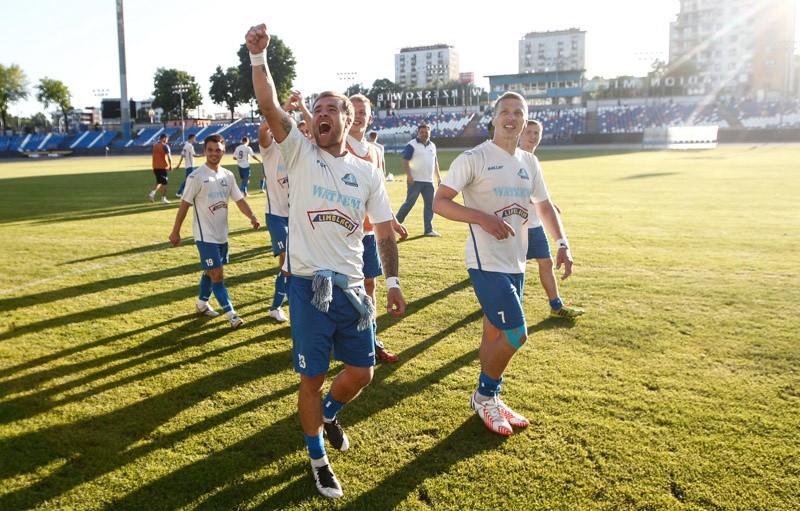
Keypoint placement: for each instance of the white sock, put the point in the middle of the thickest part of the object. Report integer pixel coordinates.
(320, 462)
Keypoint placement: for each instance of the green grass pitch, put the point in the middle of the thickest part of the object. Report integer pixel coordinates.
(679, 389)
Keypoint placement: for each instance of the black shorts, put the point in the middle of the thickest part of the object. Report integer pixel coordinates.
(162, 176)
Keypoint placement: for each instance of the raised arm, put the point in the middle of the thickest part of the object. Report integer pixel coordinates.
(257, 40)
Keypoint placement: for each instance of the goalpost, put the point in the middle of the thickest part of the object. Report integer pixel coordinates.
(680, 137)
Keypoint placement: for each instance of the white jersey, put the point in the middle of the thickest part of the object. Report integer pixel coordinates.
(242, 155)
(495, 182)
(382, 153)
(209, 193)
(365, 150)
(329, 199)
(422, 163)
(188, 154)
(277, 181)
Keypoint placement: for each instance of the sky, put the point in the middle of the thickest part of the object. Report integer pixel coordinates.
(76, 42)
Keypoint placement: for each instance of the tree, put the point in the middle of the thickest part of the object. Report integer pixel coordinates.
(39, 120)
(226, 88)
(13, 87)
(55, 92)
(281, 62)
(382, 86)
(165, 97)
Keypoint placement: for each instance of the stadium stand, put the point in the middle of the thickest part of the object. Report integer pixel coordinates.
(444, 125)
(634, 119)
(768, 114)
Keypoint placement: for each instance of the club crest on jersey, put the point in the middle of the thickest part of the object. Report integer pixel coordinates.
(335, 216)
(523, 174)
(511, 210)
(284, 182)
(350, 180)
(217, 206)
(223, 182)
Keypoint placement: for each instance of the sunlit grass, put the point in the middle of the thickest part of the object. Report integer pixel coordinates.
(679, 389)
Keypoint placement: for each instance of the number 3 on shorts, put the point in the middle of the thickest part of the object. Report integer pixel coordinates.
(301, 361)
(502, 315)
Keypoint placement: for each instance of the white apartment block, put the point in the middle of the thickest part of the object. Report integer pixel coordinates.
(423, 66)
(558, 50)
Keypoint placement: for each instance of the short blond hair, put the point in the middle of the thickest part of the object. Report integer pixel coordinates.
(511, 95)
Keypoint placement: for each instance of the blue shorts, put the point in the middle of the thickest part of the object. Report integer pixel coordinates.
(278, 227)
(315, 333)
(538, 246)
(500, 296)
(212, 255)
(189, 170)
(244, 172)
(372, 263)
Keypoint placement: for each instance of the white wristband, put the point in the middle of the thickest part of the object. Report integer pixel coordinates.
(562, 243)
(392, 282)
(258, 59)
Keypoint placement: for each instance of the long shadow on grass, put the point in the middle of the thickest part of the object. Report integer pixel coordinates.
(167, 344)
(10, 304)
(648, 175)
(271, 445)
(128, 306)
(159, 246)
(91, 448)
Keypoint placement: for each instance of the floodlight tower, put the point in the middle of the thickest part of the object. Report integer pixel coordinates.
(124, 104)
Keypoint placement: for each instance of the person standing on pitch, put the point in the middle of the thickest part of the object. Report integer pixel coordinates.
(358, 146)
(373, 139)
(499, 181)
(331, 192)
(538, 246)
(242, 155)
(162, 166)
(276, 183)
(421, 165)
(208, 189)
(188, 153)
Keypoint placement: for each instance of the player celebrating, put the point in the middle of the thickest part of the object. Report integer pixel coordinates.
(208, 189)
(242, 155)
(499, 181)
(358, 146)
(276, 183)
(330, 194)
(538, 247)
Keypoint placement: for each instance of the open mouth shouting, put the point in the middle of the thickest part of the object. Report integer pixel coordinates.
(324, 128)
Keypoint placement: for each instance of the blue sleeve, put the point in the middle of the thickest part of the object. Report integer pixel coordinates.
(408, 152)
(166, 149)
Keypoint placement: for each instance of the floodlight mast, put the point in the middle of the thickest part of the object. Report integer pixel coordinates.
(124, 104)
